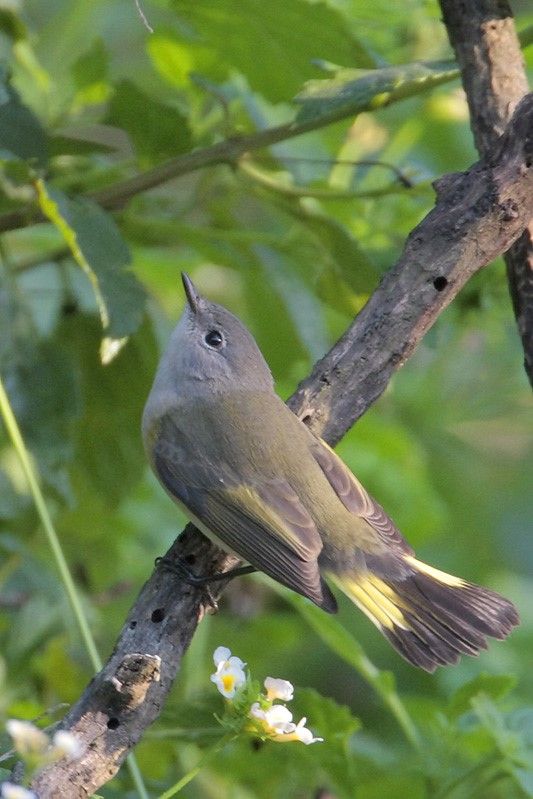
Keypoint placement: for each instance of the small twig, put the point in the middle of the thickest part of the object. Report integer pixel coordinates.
(269, 182)
(294, 159)
(143, 17)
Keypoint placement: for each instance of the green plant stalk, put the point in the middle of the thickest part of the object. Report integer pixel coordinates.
(16, 438)
(15, 435)
(187, 778)
(359, 660)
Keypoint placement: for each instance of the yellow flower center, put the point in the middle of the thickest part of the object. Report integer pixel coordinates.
(228, 681)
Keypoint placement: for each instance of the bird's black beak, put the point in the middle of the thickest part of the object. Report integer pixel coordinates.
(193, 298)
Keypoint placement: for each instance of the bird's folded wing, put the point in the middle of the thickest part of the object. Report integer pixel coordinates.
(264, 521)
(356, 499)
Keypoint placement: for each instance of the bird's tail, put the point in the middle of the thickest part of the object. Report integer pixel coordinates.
(430, 617)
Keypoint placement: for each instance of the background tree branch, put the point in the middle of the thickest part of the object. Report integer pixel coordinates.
(231, 149)
(487, 49)
(477, 216)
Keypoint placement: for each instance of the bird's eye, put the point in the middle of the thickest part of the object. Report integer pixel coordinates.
(214, 339)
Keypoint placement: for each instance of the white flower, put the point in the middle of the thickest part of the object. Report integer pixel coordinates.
(303, 734)
(230, 674)
(65, 744)
(278, 689)
(276, 720)
(8, 790)
(27, 738)
(277, 723)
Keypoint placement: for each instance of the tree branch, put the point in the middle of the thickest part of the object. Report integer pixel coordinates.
(477, 216)
(233, 148)
(487, 48)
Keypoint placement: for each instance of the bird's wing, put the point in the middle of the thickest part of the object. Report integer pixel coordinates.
(356, 499)
(263, 522)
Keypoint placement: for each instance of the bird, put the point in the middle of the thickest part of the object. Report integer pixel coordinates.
(256, 480)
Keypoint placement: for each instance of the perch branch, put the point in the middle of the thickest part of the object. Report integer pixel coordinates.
(487, 48)
(478, 214)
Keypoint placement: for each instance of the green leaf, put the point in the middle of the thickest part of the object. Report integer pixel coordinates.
(66, 144)
(522, 721)
(21, 133)
(190, 720)
(354, 91)
(109, 457)
(91, 66)
(176, 58)
(494, 685)
(38, 618)
(97, 246)
(42, 391)
(336, 724)
(301, 304)
(13, 504)
(273, 44)
(156, 130)
(350, 263)
(524, 777)
(12, 25)
(347, 275)
(507, 741)
(327, 719)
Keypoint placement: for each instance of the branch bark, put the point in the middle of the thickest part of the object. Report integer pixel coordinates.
(487, 48)
(478, 214)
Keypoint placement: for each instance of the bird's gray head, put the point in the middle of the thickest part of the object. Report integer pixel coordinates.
(211, 350)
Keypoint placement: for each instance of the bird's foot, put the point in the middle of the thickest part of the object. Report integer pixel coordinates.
(179, 567)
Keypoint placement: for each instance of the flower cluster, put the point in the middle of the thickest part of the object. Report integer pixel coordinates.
(262, 717)
(37, 750)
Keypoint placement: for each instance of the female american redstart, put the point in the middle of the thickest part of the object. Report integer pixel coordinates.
(254, 478)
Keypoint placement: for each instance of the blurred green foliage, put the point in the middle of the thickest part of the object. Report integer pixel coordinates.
(88, 99)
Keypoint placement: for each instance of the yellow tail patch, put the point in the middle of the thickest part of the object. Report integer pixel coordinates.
(442, 577)
(375, 598)
(431, 618)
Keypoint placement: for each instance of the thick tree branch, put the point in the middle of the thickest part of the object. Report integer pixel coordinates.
(487, 48)
(477, 216)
